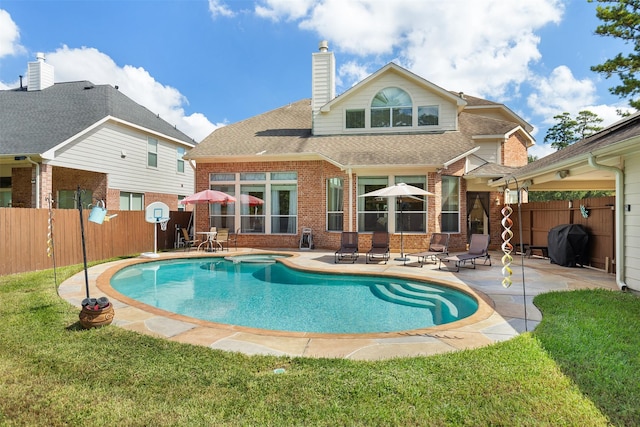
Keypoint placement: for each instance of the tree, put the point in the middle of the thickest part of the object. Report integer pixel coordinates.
(563, 133)
(621, 20)
(587, 124)
(569, 130)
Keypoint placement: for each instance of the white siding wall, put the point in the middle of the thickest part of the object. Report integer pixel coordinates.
(632, 221)
(489, 151)
(100, 151)
(322, 79)
(332, 123)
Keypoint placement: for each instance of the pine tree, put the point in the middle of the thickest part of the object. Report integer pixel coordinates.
(569, 130)
(621, 19)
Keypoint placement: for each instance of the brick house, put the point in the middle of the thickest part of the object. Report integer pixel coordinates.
(55, 137)
(312, 159)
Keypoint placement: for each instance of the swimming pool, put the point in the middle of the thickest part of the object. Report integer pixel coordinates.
(273, 296)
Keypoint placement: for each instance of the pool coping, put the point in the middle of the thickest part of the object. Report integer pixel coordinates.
(484, 311)
(499, 318)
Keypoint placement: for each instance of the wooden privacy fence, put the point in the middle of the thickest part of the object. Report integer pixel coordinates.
(24, 235)
(540, 217)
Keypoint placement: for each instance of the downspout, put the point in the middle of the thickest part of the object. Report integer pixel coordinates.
(350, 199)
(620, 256)
(37, 180)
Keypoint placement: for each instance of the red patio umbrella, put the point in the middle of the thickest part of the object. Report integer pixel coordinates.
(248, 199)
(208, 196)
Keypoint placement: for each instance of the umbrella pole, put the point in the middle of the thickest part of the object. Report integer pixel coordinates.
(402, 257)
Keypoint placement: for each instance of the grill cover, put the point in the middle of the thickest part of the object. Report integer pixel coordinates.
(568, 245)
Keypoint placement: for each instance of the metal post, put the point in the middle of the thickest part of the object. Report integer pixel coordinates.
(84, 249)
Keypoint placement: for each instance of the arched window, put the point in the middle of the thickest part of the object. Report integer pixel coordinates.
(391, 107)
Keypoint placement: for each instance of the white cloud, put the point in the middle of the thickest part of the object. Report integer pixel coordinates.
(9, 41)
(541, 150)
(351, 71)
(560, 92)
(9, 36)
(484, 48)
(219, 8)
(290, 10)
(135, 82)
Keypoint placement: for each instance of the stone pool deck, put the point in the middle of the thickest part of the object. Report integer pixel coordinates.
(501, 315)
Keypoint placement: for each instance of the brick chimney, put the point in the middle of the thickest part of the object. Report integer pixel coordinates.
(323, 77)
(40, 74)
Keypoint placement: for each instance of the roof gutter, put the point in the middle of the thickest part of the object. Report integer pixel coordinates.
(37, 180)
(619, 207)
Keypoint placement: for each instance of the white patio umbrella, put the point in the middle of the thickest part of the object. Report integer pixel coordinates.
(400, 191)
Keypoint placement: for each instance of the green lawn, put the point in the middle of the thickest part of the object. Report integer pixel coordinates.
(580, 367)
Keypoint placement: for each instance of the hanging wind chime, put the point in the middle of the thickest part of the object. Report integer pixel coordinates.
(507, 247)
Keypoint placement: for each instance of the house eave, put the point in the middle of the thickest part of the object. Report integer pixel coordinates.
(50, 153)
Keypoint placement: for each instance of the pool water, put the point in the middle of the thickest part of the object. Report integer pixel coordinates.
(275, 297)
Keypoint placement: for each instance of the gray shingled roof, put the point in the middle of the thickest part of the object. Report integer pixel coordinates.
(33, 122)
(491, 170)
(287, 131)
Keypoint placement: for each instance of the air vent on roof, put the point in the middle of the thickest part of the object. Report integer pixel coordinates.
(89, 87)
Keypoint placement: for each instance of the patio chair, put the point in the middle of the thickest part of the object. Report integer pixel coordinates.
(187, 241)
(478, 248)
(233, 239)
(438, 247)
(222, 238)
(379, 247)
(348, 247)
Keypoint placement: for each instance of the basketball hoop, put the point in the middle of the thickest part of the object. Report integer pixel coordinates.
(156, 213)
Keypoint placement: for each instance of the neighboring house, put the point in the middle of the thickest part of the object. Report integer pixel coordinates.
(311, 160)
(56, 137)
(607, 160)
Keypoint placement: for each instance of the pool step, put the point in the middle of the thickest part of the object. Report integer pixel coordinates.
(384, 292)
(413, 294)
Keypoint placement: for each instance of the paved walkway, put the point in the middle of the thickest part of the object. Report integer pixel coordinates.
(501, 315)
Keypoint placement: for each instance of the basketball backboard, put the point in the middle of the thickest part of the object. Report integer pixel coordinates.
(156, 212)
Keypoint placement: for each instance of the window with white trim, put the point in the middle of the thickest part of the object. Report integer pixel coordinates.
(391, 107)
(68, 199)
(131, 201)
(428, 115)
(267, 202)
(450, 221)
(152, 152)
(373, 212)
(180, 152)
(411, 212)
(354, 119)
(335, 201)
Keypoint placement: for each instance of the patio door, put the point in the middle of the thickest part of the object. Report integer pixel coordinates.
(477, 213)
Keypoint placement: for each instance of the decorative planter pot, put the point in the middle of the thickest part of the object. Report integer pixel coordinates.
(94, 318)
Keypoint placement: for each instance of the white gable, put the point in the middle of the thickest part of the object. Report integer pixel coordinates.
(331, 120)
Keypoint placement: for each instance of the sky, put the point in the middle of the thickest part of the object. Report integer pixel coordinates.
(204, 64)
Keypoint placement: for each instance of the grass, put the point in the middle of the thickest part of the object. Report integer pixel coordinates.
(578, 368)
